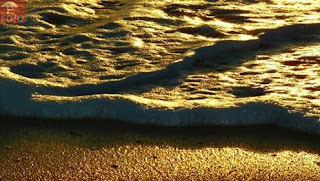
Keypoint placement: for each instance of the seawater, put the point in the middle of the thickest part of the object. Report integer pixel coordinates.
(173, 63)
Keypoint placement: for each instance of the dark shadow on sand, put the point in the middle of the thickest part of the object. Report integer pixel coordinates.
(94, 133)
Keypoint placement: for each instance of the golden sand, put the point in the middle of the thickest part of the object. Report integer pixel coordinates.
(134, 153)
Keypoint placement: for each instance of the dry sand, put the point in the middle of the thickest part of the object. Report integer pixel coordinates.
(106, 150)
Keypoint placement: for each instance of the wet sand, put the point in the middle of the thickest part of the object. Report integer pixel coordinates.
(109, 150)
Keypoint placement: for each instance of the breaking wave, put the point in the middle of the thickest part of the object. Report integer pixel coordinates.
(160, 63)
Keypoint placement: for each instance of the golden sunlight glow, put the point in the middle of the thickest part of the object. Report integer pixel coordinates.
(166, 62)
(293, 1)
(193, 21)
(137, 42)
(151, 35)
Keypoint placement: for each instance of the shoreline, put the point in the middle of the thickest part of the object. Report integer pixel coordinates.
(99, 124)
(91, 149)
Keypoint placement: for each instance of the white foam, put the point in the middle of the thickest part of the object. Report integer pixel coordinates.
(16, 100)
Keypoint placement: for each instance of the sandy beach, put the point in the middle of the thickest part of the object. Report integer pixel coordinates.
(109, 150)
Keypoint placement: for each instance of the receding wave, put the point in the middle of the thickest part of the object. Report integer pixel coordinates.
(165, 63)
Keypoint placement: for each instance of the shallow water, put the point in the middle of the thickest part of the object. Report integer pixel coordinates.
(165, 62)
